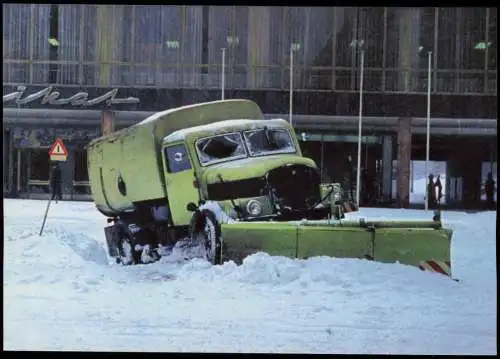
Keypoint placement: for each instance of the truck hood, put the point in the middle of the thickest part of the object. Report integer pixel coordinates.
(251, 167)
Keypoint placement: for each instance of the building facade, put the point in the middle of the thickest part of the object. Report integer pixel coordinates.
(68, 67)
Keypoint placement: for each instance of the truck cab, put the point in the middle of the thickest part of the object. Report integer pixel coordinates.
(254, 169)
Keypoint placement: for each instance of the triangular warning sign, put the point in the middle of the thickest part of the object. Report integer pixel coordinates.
(58, 151)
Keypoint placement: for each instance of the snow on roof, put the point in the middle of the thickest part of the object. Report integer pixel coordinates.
(158, 115)
(215, 127)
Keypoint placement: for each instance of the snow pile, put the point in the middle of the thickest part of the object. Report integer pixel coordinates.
(58, 295)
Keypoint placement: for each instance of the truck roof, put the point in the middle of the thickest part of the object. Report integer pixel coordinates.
(161, 114)
(228, 125)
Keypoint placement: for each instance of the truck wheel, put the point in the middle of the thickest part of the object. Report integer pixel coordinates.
(126, 255)
(205, 229)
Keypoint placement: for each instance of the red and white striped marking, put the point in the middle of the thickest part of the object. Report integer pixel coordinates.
(442, 267)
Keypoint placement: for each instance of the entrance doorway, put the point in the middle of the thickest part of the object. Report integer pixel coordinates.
(419, 181)
(38, 168)
(81, 184)
(488, 167)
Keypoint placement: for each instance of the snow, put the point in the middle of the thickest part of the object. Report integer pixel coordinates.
(217, 210)
(61, 292)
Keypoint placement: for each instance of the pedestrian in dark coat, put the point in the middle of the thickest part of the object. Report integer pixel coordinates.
(56, 182)
(431, 194)
(439, 188)
(489, 189)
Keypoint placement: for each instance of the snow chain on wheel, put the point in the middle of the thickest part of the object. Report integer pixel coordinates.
(205, 228)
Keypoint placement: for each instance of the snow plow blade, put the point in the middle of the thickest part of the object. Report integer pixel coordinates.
(423, 244)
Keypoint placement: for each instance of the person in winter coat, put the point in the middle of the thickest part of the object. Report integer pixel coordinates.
(431, 194)
(439, 188)
(489, 189)
(56, 182)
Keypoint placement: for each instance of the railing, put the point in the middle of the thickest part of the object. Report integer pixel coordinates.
(346, 79)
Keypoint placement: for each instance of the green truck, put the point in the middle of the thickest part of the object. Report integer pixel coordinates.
(150, 179)
(220, 176)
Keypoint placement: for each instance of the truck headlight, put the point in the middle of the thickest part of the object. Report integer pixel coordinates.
(254, 208)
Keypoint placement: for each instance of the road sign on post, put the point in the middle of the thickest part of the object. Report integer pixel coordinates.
(57, 151)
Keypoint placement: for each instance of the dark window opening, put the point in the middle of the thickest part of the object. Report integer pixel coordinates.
(39, 165)
(39, 171)
(177, 159)
(214, 149)
(81, 173)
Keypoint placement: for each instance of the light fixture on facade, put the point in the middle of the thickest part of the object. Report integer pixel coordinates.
(357, 43)
(172, 44)
(482, 45)
(232, 40)
(53, 41)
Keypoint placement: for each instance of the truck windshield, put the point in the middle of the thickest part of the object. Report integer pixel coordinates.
(268, 141)
(220, 148)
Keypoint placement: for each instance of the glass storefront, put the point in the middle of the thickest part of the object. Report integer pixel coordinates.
(326, 42)
(28, 163)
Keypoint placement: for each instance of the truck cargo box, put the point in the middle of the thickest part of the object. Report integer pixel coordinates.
(126, 166)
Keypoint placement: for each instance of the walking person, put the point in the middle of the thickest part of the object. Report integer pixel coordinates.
(431, 194)
(439, 188)
(56, 182)
(489, 189)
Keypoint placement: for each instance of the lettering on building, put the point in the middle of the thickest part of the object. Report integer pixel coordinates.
(51, 97)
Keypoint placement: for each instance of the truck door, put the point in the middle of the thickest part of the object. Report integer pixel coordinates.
(179, 178)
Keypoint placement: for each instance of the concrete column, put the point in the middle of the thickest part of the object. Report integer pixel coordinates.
(408, 45)
(259, 28)
(107, 122)
(387, 157)
(404, 163)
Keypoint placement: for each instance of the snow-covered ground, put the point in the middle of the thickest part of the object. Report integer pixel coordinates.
(60, 293)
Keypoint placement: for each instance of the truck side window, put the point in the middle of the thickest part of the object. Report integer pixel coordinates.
(177, 158)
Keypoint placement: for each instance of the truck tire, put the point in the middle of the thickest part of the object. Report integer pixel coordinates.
(205, 228)
(126, 255)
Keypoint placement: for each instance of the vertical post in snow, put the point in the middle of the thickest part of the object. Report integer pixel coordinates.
(223, 74)
(360, 125)
(427, 145)
(291, 86)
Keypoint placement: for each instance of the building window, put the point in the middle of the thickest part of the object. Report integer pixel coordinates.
(491, 44)
(221, 34)
(371, 27)
(409, 38)
(461, 34)
(346, 26)
(81, 174)
(158, 36)
(16, 25)
(39, 165)
(191, 45)
(309, 32)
